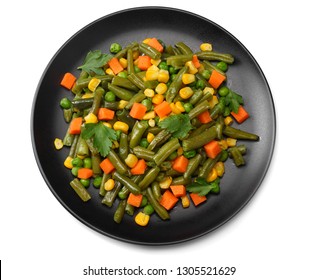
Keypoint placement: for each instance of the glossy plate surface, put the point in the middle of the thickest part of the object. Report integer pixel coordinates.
(171, 25)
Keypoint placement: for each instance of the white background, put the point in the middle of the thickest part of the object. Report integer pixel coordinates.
(273, 237)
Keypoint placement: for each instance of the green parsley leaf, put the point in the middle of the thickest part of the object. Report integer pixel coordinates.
(94, 62)
(102, 136)
(233, 101)
(202, 187)
(178, 125)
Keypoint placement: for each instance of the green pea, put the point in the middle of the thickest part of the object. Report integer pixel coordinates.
(123, 74)
(77, 162)
(223, 91)
(85, 182)
(137, 69)
(144, 201)
(188, 107)
(222, 66)
(87, 162)
(163, 65)
(118, 133)
(172, 70)
(115, 48)
(110, 96)
(65, 103)
(97, 182)
(148, 209)
(147, 103)
(144, 143)
(75, 170)
(200, 84)
(172, 156)
(189, 154)
(206, 74)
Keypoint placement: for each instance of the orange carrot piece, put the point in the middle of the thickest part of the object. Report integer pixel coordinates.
(75, 125)
(178, 190)
(197, 199)
(216, 79)
(163, 109)
(135, 199)
(154, 43)
(139, 168)
(105, 114)
(138, 111)
(84, 173)
(212, 149)
(242, 114)
(115, 65)
(180, 164)
(68, 80)
(204, 117)
(144, 62)
(106, 166)
(168, 200)
(196, 61)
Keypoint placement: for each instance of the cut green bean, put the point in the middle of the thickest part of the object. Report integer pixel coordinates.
(110, 196)
(126, 181)
(117, 163)
(215, 56)
(149, 177)
(198, 141)
(150, 51)
(143, 153)
(239, 134)
(121, 93)
(119, 213)
(159, 209)
(137, 132)
(124, 83)
(175, 85)
(164, 152)
(80, 190)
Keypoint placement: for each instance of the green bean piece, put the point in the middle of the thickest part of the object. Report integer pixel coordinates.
(201, 129)
(175, 85)
(126, 181)
(105, 178)
(110, 196)
(72, 150)
(143, 153)
(239, 134)
(164, 152)
(121, 93)
(198, 141)
(196, 97)
(123, 146)
(161, 137)
(181, 180)
(130, 66)
(117, 163)
(123, 52)
(93, 150)
(123, 115)
(215, 56)
(159, 209)
(119, 213)
(95, 164)
(149, 177)
(82, 104)
(124, 83)
(156, 190)
(98, 95)
(82, 149)
(200, 79)
(77, 89)
(192, 165)
(129, 209)
(137, 81)
(207, 166)
(184, 49)
(209, 66)
(80, 189)
(137, 98)
(137, 132)
(206, 97)
(123, 193)
(198, 109)
(68, 139)
(110, 105)
(150, 51)
(217, 110)
(178, 61)
(237, 157)
(68, 113)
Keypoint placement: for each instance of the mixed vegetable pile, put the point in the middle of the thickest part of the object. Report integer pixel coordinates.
(151, 125)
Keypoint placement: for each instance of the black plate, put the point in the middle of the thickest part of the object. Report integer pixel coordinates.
(171, 25)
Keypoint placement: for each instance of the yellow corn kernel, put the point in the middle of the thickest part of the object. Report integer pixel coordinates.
(163, 76)
(93, 83)
(228, 120)
(152, 73)
(150, 136)
(209, 89)
(149, 92)
(58, 143)
(118, 125)
(186, 92)
(220, 168)
(155, 62)
(165, 184)
(185, 201)
(191, 67)
(212, 175)
(109, 185)
(142, 219)
(107, 124)
(188, 78)
(68, 162)
(109, 71)
(158, 99)
(135, 54)
(206, 47)
(122, 104)
(161, 88)
(231, 142)
(175, 109)
(180, 151)
(213, 101)
(87, 95)
(91, 118)
(179, 105)
(131, 160)
(149, 115)
(123, 62)
(146, 40)
(151, 123)
(223, 144)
